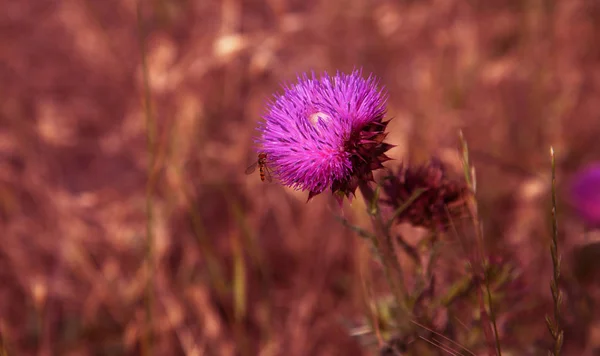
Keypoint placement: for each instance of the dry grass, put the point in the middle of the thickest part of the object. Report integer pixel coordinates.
(245, 268)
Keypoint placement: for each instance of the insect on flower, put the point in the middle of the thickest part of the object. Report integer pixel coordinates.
(265, 172)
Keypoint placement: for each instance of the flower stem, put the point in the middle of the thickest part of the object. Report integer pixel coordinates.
(384, 247)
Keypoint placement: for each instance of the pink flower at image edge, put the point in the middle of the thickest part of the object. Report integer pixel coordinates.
(585, 194)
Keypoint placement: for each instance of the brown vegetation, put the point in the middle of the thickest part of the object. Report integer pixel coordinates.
(243, 267)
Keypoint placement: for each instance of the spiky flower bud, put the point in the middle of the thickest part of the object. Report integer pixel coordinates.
(326, 133)
(441, 200)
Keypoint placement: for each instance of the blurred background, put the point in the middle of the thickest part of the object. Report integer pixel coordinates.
(92, 202)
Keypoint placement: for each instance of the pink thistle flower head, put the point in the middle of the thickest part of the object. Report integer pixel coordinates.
(585, 194)
(326, 133)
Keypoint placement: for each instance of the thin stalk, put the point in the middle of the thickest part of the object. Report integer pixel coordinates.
(246, 242)
(3, 351)
(3, 340)
(492, 310)
(554, 327)
(479, 263)
(147, 343)
(367, 294)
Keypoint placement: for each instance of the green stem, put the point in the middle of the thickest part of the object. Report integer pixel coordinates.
(384, 247)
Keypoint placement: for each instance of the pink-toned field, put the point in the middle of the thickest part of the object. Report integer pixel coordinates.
(131, 229)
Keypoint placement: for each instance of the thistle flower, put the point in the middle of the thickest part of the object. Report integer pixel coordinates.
(585, 194)
(326, 133)
(440, 202)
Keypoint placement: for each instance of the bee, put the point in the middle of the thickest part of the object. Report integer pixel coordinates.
(261, 163)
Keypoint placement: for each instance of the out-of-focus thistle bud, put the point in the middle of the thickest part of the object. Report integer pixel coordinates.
(442, 199)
